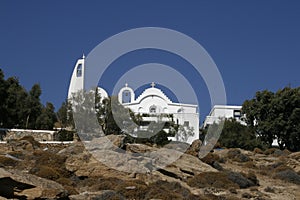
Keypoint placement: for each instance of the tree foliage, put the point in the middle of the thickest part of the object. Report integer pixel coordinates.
(22, 109)
(276, 116)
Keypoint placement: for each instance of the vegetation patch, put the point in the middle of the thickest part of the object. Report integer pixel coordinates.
(212, 179)
(236, 155)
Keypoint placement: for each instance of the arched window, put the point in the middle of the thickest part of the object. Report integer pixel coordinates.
(79, 70)
(180, 110)
(152, 109)
(126, 96)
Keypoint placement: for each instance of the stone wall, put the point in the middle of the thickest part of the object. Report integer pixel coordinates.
(39, 135)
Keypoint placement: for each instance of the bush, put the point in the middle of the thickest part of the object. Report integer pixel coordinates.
(236, 135)
(288, 175)
(45, 172)
(241, 180)
(270, 151)
(258, 151)
(167, 190)
(232, 153)
(210, 158)
(236, 155)
(212, 179)
(31, 140)
(213, 160)
(65, 135)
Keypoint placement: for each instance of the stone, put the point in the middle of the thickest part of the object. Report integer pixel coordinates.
(104, 194)
(20, 184)
(194, 148)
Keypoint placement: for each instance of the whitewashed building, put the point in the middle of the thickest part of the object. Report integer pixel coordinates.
(151, 101)
(221, 112)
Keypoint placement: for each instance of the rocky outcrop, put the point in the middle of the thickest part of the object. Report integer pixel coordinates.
(17, 184)
(109, 168)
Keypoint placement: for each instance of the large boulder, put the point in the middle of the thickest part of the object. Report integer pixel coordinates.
(17, 184)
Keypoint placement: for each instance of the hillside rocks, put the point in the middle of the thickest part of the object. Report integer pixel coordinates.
(110, 168)
(17, 184)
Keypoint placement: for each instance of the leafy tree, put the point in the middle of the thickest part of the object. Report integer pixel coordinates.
(33, 106)
(14, 104)
(275, 116)
(3, 95)
(22, 109)
(236, 135)
(47, 117)
(65, 115)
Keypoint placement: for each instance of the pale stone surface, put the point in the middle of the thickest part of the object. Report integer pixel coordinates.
(43, 188)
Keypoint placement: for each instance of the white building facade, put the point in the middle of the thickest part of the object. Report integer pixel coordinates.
(221, 112)
(152, 101)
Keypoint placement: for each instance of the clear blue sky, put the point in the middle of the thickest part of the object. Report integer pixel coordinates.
(255, 44)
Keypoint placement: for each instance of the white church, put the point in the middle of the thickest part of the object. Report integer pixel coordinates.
(151, 102)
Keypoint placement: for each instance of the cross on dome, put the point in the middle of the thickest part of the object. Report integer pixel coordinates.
(152, 84)
(126, 84)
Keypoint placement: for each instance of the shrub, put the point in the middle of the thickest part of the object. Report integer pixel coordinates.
(270, 151)
(241, 180)
(212, 179)
(213, 160)
(65, 135)
(45, 172)
(236, 155)
(288, 175)
(232, 153)
(250, 164)
(35, 144)
(269, 189)
(258, 151)
(167, 190)
(210, 158)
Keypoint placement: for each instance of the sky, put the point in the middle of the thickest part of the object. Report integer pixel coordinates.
(255, 44)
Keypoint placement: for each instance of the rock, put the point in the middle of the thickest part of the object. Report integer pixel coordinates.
(104, 194)
(18, 184)
(117, 140)
(182, 168)
(194, 148)
(85, 165)
(74, 148)
(295, 156)
(109, 142)
(140, 148)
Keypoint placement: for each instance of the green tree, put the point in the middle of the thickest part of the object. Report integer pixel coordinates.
(33, 106)
(236, 135)
(275, 116)
(47, 118)
(3, 95)
(65, 115)
(14, 104)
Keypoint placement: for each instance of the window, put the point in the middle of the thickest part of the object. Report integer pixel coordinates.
(180, 110)
(126, 96)
(186, 123)
(237, 113)
(79, 70)
(152, 109)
